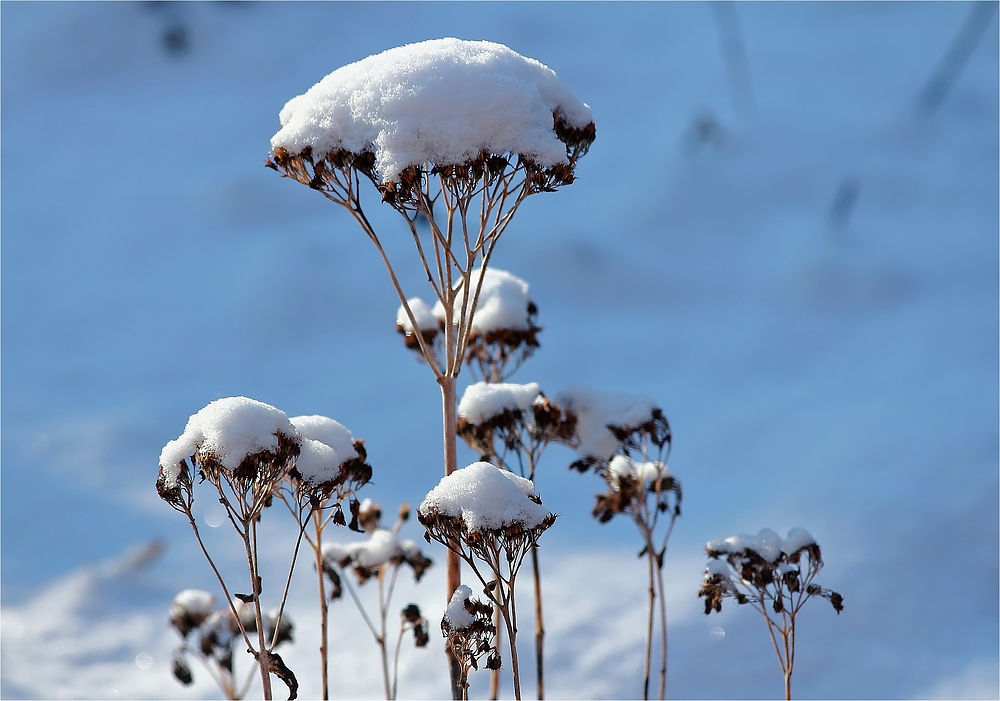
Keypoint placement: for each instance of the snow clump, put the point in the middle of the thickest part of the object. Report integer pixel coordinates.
(485, 497)
(644, 473)
(768, 544)
(441, 101)
(457, 616)
(503, 302)
(484, 400)
(596, 410)
(422, 314)
(230, 429)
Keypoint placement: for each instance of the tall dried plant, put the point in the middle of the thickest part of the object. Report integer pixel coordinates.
(520, 437)
(467, 206)
(773, 577)
(639, 485)
(384, 570)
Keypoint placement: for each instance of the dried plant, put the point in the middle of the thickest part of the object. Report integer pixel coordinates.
(775, 577)
(471, 634)
(323, 499)
(379, 558)
(467, 205)
(501, 547)
(212, 638)
(245, 476)
(639, 485)
(522, 435)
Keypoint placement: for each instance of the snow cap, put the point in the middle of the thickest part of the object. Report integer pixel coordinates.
(457, 616)
(422, 314)
(484, 400)
(768, 544)
(329, 432)
(502, 305)
(231, 429)
(596, 410)
(485, 497)
(441, 101)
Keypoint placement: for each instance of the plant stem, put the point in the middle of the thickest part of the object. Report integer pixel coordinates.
(454, 566)
(323, 610)
(649, 622)
(539, 626)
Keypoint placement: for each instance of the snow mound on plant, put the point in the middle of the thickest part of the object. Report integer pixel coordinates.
(456, 614)
(646, 472)
(441, 101)
(502, 305)
(327, 431)
(484, 400)
(596, 410)
(231, 428)
(768, 544)
(422, 314)
(485, 497)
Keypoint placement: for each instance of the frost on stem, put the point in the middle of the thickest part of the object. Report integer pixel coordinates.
(774, 576)
(468, 628)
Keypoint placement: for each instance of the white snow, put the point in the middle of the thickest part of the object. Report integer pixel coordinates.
(335, 553)
(645, 472)
(456, 614)
(441, 101)
(716, 566)
(422, 314)
(596, 410)
(317, 463)
(768, 544)
(381, 547)
(502, 304)
(483, 400)
(797, 539)
(194, 602)
(326, 430)
(231, 428)
(485, 497)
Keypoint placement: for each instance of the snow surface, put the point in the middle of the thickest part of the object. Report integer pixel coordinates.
(482, 401)
(768, 544)
(230, 428)
(422, 314)
(502, 304)
(441, 101)
(485, 498)
(596, 410)
(456, 614)
(317, 463)
(380, 547)
(326, 430)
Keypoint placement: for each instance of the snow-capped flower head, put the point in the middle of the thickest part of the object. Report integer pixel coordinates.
(427, 324)
(468, 626)
(503, 333)
(444, 104)
(638, 488)
(237, 440)
(330, 458)
(751, 569)
(611, 422)
(189, 609)
(483, 497)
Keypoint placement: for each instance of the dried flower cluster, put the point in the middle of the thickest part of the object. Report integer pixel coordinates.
(212, 636)
(378, 559)
(775, 577)
(639, 485)
(470, 633)
(525, 433)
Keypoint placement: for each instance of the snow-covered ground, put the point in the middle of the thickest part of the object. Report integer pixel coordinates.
(805, 282)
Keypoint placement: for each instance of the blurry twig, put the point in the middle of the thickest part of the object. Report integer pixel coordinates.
(944, 76)
(734, 53)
